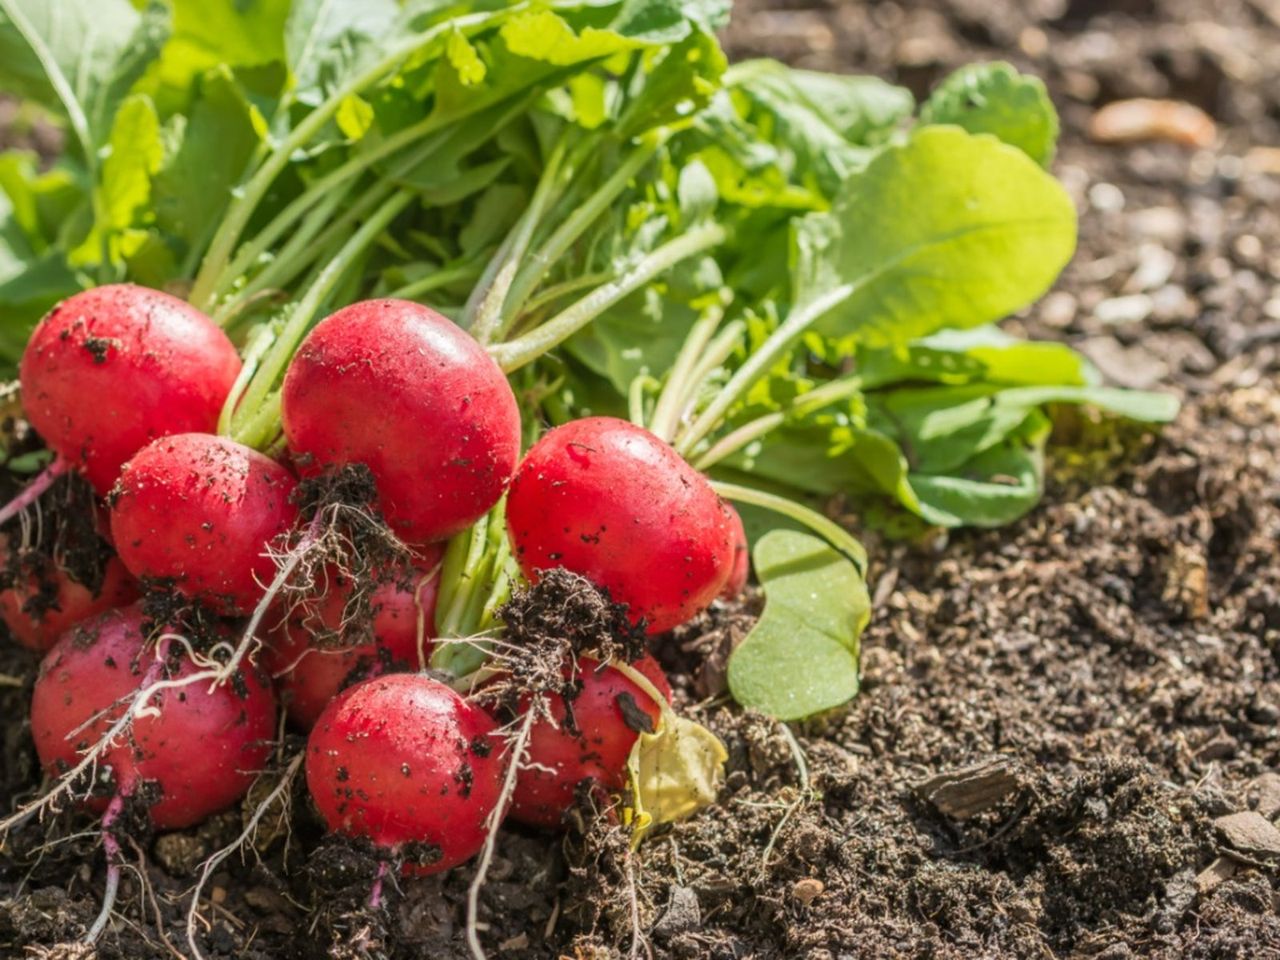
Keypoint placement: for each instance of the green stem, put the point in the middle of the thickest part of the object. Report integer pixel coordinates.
(721, 349)
(262, 429)
(516, 353)
(483, 316)
(301, 246)
(253, 355)
(252, 192)
(635, 397)
(535, 268)
(434, 281)
(304, 312)
(562, 289)
(758, 365)
(666, 415)
(829, 530)
(802, 406)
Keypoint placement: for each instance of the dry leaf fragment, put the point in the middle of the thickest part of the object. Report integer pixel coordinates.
(1132, 121)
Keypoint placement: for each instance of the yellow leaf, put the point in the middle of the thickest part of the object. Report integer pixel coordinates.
(464, 59)
(354, 117)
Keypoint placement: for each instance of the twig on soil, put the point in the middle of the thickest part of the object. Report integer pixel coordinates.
(245, 835)
(805, 795)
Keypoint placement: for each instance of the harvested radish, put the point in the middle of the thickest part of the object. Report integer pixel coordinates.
(40, 606)
(310, 674)
(110, 369)
(200, 511)
(608, 715)
(406, 762)
(397, 387)
(198, 748)
(608, 500)
(737, 581)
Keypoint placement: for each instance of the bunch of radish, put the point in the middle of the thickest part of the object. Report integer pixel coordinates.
(167, 704)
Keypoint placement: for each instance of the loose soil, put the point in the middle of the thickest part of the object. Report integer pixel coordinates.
(1056, 716)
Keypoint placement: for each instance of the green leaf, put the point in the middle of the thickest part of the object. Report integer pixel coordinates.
(190, 194)
(801, 657)
(354, 117)
(136, 152)
(861, 110)
(994, 487)
(994, 98)
(942, 427)
(541, 35)
(78, 58)
(237, 33)
(323, 38)
(945, 230)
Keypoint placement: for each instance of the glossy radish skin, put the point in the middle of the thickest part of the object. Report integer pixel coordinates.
(558, 760)
(39, 609)
(397, 387)
(403, 759)
(200, 748)
(741, 570)
(308, 676)
(608, 500)
(200, 511)
(110, 369)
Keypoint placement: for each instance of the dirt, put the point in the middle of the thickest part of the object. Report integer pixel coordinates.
(1056, 717)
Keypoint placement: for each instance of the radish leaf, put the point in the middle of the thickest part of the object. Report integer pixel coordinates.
(802, 655)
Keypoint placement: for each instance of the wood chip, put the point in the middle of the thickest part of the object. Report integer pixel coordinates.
(519, 942)
(1250, 833)
(1266, 793)
(1134, 121)
(968, 791)
(1224, 868)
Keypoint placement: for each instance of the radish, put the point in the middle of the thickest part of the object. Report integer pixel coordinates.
(40, 606)
(595, 747)
(309, 675)
(404, 761)
(741, 570)
(397, 387)
(196, 748)
(608, 500)
(111, 369)
(200, 512)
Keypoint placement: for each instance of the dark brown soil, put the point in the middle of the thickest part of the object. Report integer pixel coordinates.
(1055, 716)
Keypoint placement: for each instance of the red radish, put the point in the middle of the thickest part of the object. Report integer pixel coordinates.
(110, 369)
(40, 607)
(200, 511)
(609, 501)
(200, 747)
(737, 581)
(309, 676)
(558, 759)
(397, 387)
(403, 759)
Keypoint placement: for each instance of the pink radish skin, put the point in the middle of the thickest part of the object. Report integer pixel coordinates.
(610, 501)
(403, 759)
(741, 570)
(201, 747)
(309, 677)
(110, 369)
(38, 625)
(200, 511)
(397, 387)
(557, 760)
